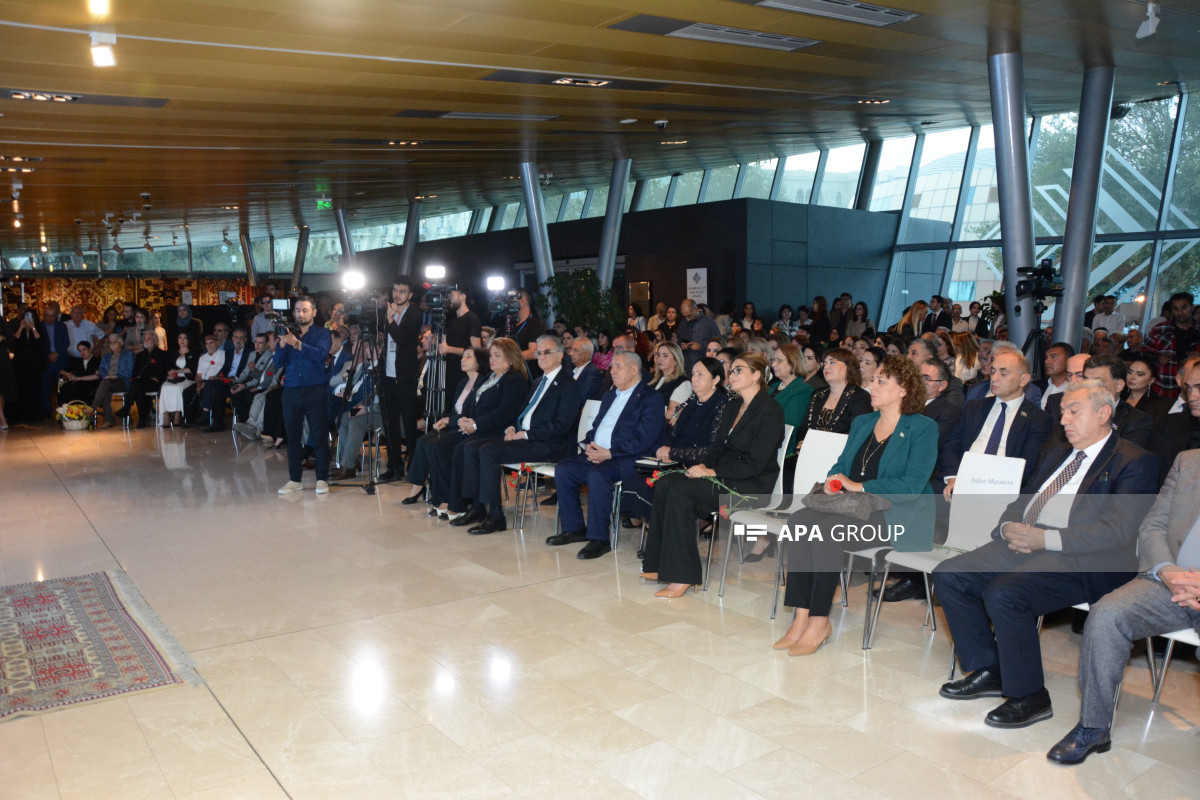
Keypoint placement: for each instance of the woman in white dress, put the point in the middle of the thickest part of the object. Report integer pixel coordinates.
(180, 377)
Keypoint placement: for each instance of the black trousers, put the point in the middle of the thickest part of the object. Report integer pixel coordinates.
(808, 587)
(241, 404)
(300, 404)
(137, 396)
(272, 421)
(671, 549)
(212, 401)
(464, 470)
(400, 412)
(439, 452)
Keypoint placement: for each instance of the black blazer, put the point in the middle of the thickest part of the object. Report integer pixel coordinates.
(554, 420)
(191, 362)
(1127, 421)
(940, 320)
(151, 365)
(668, 388)
(1026, 436)
(1157, 407)
(589, 381)
(855, 401)
(1172, 435)
(946, 415)
(234, 364)
(640, 425)
(746, 455)
(406, 335)
(497, 408)
(1099, 535)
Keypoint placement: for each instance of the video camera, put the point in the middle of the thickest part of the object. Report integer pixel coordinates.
(1044, 281)
(507, 303)
(437, 297)
(282, 322)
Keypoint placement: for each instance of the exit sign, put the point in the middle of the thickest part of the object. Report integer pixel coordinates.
(324, 205)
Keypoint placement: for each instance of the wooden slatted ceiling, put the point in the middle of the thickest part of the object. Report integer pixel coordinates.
(260, 93)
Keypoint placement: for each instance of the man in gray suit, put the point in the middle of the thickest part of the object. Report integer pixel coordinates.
(1165, 597)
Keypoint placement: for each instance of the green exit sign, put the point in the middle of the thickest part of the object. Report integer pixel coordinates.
(324, 205)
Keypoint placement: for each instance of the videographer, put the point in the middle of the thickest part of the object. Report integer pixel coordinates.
(463, 330)
(304, 393)
(401, 373)
(526, 330)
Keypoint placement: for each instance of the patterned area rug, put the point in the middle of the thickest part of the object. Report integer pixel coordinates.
(77, 640)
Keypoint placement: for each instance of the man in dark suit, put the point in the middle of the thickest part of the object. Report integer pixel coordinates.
(921, 350)
(545, 431)
(149, 371)
(1005, 424)
(1179, 430)
(1129, 423)
(212, 397)
(586, 374)
(402, 370)
(938, 317)
(57, 342)
(1055, 367)
(1165, 597)
(629, 424)
(1048, 553)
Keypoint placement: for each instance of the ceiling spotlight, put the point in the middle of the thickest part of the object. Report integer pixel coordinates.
(873, 102)
(45, 249)
(225, 240)
(98, 8)
(593, 83)
(353, 280)
(495, 283)
(628, 121)
(675, 141)
(1150, 24)
(102, 49)
(17, 220)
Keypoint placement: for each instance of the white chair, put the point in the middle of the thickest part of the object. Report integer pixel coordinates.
(545, 469)
(994, 482)
(1187, 636)
(777, 500)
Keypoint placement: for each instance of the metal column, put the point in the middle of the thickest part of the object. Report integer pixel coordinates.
(343, 229)
(301, 255)
(818, 178)
(639, 189)
(248, 257)
(271, 244)
(412, 234)
(1007, 86)
(1080, 232)
(611, 232)
(870, 170)
(1150, 307)
(539, 236)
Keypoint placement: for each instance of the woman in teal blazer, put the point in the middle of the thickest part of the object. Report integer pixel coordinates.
(890, 452)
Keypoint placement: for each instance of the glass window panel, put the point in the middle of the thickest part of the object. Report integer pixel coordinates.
(1184, 213)
(1135, 165)
(445, 226)
(1179, 271)
(574, 205)
(892, 177)
(841, 176)
(522, 221)
(654, 193)
(799, 171)
(1122, 269)
(599, 203)
(982, 217)
(759, 175)
(509, 216)
(1052, 173)
(375, 237)
(285, 253)
(217, 258)
(628, 196)
(720, 183)
(936, 192)
(687, 188)
(552, 203)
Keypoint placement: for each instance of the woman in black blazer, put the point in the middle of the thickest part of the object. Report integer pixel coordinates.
(474, 365)
(494, 406)
(833, 408)
(743, 458)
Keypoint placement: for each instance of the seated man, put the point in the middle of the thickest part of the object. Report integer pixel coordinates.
(545, 431)
(1047, 554)
(362, 414)
(80, 378)
(246, 383)
(629, 424)
(1129, 423)
(1178, 429)
(1165, 597)
(150, 367)
(212, 400)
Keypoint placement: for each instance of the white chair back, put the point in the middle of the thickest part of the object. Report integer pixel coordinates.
(591, 410)
(780, 455)
(984, 486)
(819, 453)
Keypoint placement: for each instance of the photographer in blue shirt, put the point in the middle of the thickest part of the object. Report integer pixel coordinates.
(304, 393)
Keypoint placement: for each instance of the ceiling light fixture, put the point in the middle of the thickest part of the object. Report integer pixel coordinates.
(848, 10)
(873, 102)
(1150, 24)
(102, 49)
(26, 159)
(403, 143)
(98, 8)
(591, 83)
(148, 246)
(225, 240)
(628, 121)
(1167, 83)
(17, 220)
(17, 169)
(45, 249)
(116, 248)
(675, 141)
(43, 97)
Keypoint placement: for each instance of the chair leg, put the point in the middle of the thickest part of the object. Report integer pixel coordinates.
(642, 543)
(712, 543)
(953, 661)
(929, 603)
(725, 558)
(874, 620)
(1162, 673)
(845, 580)
(779, 573)
(614, 518)
(1151, 660)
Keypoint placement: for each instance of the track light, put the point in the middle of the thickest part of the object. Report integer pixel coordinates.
(149, 247)
(1149, 25)
(102, 49)
(225, 240)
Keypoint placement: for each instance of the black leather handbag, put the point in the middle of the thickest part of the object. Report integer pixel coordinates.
(859, 505)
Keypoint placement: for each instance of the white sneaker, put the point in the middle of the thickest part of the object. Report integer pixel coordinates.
(322, 487)
(290, 486)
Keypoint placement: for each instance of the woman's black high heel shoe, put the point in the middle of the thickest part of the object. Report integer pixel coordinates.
(753, 558)
(408, 501)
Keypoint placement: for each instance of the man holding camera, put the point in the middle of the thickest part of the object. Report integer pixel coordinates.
(304, 393)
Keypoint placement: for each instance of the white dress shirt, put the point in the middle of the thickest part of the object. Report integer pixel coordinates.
(1057, 513)
(1051, 389)
(210, 364)
(606, 424)
(527, 420)
(1113, 323)
(985, 433)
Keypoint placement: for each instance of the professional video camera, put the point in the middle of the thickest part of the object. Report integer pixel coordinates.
(1043, 282)
(281, 320)
(437, 297)
(505, 305)
(363, 313)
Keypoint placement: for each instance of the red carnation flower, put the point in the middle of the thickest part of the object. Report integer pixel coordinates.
(724, 512)
(835, 485)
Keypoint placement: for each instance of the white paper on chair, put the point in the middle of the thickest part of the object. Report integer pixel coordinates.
(820, 452)
(983, 488)
(984, 474)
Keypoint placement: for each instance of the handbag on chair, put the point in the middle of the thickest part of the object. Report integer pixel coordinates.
(859, 505)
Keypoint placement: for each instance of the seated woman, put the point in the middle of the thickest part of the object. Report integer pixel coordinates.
(794, 395)
(835, 407)
(669, 378)
(474, 366)
(79, 378)
(1141, 375)
(814, 358)
(116, 368)
(181, 373)
(496, 404)
(869, 361)
(690, 434)
(890, 451)
(742, 457)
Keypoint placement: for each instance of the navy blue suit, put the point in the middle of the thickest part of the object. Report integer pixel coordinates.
(589, 381)
(993, 596)
(1026, 436)
(638, 429)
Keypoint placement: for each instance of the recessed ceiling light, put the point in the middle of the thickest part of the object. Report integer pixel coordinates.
(25, 94)
(628, 121)
(402, 143)
(593, 83)
(98, 8)
(873, 102)
(229, 208)
(1167, 83)
(675, 141)
(17, 169)
(848, 10)
(102, 49)
(20, 159)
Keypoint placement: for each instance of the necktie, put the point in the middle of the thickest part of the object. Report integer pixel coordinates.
(1062, 479)
(929, 321)
(993, 445)
(533, 402)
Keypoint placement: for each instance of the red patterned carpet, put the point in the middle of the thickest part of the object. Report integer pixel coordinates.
(76, 640)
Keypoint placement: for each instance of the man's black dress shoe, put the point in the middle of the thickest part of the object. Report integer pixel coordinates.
(122, 412)
(594, 549)
(980, 683)
(1080, 743)
(628, 523)
(489, 525)
(567, 537)
(386, 477)
(141, 423)
(408, 501)
(1017, 712)
(552, 500)
(470, 518)
(907, 588)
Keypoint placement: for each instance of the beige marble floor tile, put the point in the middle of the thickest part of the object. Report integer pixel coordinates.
(418, 762)
(660, 771)
(537, 766)
(714, 741)
(28, 770)
(312, 760)
(704, 686)
(260, 785)
(784, 775)
(1162, 782)
(910, 777)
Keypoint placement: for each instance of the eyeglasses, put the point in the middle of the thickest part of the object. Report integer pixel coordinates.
(738, 370)
(540, 353)
(927, 379)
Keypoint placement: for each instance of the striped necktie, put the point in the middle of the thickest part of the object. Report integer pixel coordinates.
(1062, 479)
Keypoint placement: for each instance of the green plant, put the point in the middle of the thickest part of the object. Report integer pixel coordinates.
(990, 307)
(578, 298)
